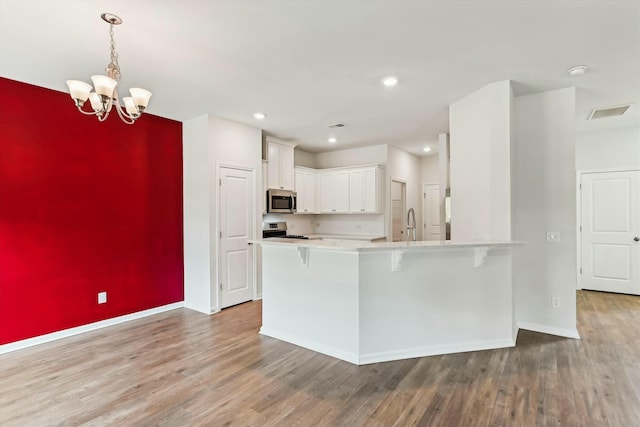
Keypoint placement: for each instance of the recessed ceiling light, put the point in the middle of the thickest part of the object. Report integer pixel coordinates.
(332, 140)
(426, 149)
(390, 81)
(259, 116)
(578, 70)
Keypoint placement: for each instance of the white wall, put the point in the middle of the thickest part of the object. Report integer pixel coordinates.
(480, 126)
(352, 157)
(430, 170)
(304, 158)
(208, 143)
(405, 167)
(544, 195)
(608, 149)
(196, 213)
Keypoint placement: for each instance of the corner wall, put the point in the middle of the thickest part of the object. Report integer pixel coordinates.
(543, 199)
(209, 143)
(480, 178)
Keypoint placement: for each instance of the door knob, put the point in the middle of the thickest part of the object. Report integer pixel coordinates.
(636, 239)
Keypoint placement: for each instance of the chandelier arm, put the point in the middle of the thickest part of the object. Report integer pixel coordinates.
(124, 116)
(128, 119)
(87, 113)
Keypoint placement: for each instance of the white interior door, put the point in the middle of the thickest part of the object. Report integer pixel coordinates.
(236, 228)
(431, 211)
(611, 232)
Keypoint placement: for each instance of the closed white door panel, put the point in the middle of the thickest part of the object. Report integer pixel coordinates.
(610, 226)
(236, 226)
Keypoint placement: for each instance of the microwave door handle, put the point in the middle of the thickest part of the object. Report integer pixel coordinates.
(293, 203)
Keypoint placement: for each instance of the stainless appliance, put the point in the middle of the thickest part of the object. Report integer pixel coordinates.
(281, 201)
(278, 229)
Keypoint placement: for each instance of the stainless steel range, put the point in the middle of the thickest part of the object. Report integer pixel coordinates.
(278, 229)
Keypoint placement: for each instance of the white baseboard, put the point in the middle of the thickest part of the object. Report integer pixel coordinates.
(434, 350)
(551, 330)
(311, 345)
(388, 356)
(30, 342)
(201, 309)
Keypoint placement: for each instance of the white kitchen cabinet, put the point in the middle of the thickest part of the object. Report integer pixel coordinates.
(305, 180)
(280, 170)
(366, 190)
(334, 191)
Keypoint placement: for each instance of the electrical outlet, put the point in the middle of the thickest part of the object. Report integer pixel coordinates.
(553, 236)
(555, 302)
(102, 297)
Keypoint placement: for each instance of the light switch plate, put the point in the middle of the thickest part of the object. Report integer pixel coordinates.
(102, 297)
(553, 236)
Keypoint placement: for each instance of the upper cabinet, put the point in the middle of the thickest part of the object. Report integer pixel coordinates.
(280, 173)
(334, 191)
(306, 190)
(366, 190)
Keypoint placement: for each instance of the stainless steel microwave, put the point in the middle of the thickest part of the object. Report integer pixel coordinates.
(281, 201)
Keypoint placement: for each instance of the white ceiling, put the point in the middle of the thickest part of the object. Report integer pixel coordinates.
(307, 64)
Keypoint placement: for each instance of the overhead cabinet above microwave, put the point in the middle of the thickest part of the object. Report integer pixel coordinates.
(280, 164)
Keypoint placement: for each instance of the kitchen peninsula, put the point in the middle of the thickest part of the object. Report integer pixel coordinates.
(368, 302)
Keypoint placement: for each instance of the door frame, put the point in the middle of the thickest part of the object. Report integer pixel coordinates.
(424, 209)
(579, 174)
(390, 205)
(217, 231)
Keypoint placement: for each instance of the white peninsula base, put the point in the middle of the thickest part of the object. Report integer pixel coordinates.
(375, 302)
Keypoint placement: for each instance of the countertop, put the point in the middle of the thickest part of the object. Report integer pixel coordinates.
(368, 245)
(345, 237)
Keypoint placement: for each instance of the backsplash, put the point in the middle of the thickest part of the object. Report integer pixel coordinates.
(358, 225)
(296, 224)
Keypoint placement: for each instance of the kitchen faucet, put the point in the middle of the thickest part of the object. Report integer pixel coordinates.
(411, 224)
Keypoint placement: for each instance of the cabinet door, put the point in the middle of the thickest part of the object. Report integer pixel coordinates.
(356, 195)
(334, 192)
(363, 190)
(370, 190)
(286, 167)
(305, 183)
(326, 192)
(273, 178)
(341, 191)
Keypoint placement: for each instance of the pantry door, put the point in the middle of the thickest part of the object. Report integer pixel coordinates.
(236, 229)
(610, 233)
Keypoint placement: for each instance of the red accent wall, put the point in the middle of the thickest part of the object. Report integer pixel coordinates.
(84, 207)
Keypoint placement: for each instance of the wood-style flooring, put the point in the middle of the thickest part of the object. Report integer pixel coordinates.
(182, 368)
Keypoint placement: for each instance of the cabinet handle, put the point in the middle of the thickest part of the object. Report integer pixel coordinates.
(282, 188)
(361, 210)
(333, 210)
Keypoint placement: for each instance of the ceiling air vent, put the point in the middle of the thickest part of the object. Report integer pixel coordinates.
(336, 125)
(609, 112)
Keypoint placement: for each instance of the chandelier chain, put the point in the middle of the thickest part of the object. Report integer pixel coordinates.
(114, 56)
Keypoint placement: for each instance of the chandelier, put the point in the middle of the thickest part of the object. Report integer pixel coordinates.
(106, 88)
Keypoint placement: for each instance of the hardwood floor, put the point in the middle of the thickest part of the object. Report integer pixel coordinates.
(182, 368)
